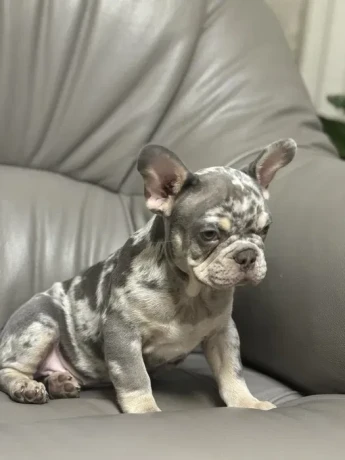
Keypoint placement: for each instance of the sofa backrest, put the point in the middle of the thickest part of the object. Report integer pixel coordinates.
(84, 84)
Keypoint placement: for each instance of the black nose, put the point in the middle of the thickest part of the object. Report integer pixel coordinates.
(245, 258)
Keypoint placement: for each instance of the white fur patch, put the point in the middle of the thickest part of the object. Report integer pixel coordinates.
(194, 286)
(266, 194)
(167, 341)
(115, 368)
(134, 346)
(178, 241)
(262, 220)
(99, 293)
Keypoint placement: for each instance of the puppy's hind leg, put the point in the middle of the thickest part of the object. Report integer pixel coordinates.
(25, 341)
(22, 388)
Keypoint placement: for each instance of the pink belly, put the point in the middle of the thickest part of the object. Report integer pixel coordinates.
(53, 363)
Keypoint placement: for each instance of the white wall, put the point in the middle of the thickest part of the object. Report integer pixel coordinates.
(322, 58)
(291, 15)
(315, 31)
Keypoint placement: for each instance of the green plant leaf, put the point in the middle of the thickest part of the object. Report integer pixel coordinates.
(336, 131)
(338, 101)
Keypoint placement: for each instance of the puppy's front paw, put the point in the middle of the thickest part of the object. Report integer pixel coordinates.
(135, 404)
(264, 405)
(253, 403)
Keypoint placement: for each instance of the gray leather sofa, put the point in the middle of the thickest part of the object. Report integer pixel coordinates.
(83, 85)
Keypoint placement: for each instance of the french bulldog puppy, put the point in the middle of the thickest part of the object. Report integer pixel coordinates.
(167, 290)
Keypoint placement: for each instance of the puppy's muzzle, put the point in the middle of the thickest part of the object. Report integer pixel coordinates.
(245, 258)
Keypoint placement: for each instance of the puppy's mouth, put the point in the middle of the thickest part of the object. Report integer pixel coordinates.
(228, 283)
(227, 275)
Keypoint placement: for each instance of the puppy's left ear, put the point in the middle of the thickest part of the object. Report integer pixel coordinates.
(164, 177)
(273, 157)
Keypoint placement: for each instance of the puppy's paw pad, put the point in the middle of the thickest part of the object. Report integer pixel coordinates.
(30, 392)
(63, 377)
(62, 385)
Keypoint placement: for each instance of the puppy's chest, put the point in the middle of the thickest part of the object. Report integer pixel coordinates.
(166, 341)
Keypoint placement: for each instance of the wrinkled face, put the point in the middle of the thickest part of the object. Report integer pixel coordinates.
(218, 228)
(217, 218)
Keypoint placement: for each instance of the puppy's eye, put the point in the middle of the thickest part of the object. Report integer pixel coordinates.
(209, 235)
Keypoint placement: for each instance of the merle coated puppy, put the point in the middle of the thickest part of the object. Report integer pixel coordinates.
(167, 290)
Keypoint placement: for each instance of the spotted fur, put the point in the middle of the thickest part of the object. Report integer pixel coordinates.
(167, 290)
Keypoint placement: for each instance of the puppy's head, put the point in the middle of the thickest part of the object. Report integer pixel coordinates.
(217, 218)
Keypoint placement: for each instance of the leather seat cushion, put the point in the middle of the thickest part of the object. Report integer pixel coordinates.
(188, 387)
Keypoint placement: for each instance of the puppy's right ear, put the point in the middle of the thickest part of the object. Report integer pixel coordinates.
(164, 177)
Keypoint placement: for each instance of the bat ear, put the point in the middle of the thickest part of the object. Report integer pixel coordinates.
(164, 177)
(272, 158)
